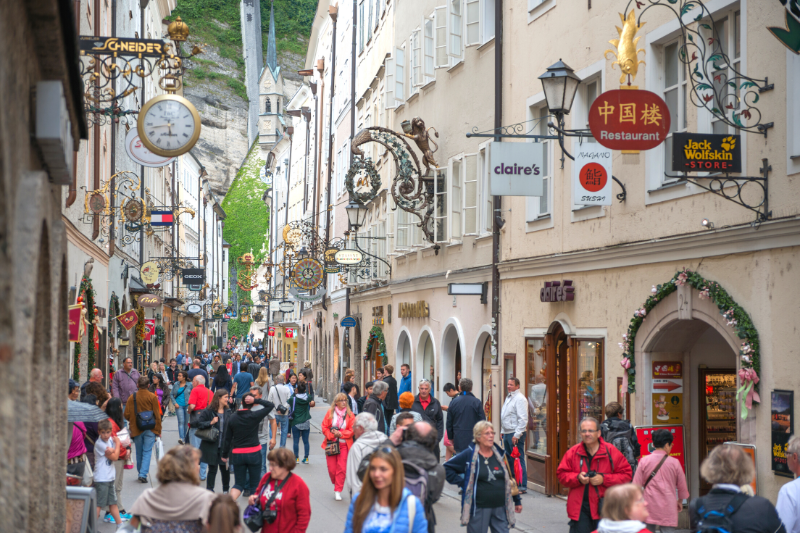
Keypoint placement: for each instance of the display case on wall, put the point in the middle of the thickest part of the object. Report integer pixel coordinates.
(718, 412)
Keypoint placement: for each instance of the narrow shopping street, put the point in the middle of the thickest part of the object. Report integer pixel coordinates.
(540, 514)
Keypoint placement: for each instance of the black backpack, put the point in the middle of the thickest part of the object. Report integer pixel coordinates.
(718, 520)
(620, 436)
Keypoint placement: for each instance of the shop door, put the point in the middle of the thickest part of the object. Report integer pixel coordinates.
(717, 407)
(561, 427)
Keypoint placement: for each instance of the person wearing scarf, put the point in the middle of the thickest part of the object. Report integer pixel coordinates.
(338, 426)
(480, 470)
(624, 510)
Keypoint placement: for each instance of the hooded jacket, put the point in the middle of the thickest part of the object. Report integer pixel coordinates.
(607, 460)
(401, 518)
(362, 446)
(301, 410)
(416, 454)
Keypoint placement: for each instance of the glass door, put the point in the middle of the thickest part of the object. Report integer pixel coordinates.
(718, 412)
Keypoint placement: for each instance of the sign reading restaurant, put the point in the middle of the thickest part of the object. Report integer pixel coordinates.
(629, 120)
(700, 152)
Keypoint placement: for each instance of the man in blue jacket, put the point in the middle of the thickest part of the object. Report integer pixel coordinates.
(405, 381)
(463, 413)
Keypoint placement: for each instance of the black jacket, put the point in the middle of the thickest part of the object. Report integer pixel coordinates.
(617, 424)
(391, 402)
(360, 403)
(211, 453)
(373, 405)
(243, 429)
(417, 455)
(254, 368)
(464, 412)
(172, 374)
(433, 414)
(756, 514)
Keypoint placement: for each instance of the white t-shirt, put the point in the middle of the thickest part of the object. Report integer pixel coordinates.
(103, 466)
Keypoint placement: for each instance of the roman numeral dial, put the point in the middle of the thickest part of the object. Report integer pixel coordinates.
(169, 125)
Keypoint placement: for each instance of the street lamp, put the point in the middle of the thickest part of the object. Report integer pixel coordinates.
(356, 214)
(560, 83)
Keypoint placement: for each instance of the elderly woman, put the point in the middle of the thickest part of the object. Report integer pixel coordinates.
(729, 470)
(480, 470)
(178, 504)
(291, 503)
(406, 401)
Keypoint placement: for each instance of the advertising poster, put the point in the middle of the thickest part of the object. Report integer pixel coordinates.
(750, 450)
(782, 422)
(667, 401)
(644, 435)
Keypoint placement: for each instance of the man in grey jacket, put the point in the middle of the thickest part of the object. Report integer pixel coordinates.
(125, 381)
(365, 431)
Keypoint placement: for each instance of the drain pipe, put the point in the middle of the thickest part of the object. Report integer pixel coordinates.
(497, 203)
(333, 11)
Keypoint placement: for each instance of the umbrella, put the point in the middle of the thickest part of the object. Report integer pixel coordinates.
(84, 412)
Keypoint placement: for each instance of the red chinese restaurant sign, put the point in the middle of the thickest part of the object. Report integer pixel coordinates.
(629, 120)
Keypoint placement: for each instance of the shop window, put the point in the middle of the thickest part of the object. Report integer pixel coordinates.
(674, 74)
(361, 28)
(456, 181)
(537, 208)
(510, 369)
(590, 379)
(536, 389)
(727, 30)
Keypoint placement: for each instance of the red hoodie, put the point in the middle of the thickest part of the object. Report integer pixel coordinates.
(293, 506)
(570, 467)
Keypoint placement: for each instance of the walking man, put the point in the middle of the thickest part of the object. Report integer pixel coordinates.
(279, 396)
(267, 430)
(391, 403)
(140, 401)
(463, 413)
(374, 404)
(199, 399)
(198, 371)
(125, 381)
(405, 381)
(660, 476)
(431, 411)
(95, 376)
(513, 425)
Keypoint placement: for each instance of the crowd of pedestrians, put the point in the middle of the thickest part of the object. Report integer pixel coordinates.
(236, 411)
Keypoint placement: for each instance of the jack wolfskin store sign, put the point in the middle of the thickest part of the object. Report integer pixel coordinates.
(701, 152)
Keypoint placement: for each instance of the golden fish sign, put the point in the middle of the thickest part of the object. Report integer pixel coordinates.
(627, 54)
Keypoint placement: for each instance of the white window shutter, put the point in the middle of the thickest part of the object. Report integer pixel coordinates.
(399, 78)
(391, 103)
(416, 52)
(369, 23)
(471, 193)
(473, 12)
(455, 23)
(427, 48)
(456, 198)
(440, 37)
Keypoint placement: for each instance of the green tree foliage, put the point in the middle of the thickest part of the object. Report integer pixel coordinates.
(246, 225)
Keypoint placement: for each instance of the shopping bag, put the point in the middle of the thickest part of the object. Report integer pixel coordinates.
(159, 449)
(129, 460)
(88, 476)
(124, 437)
(517, 466)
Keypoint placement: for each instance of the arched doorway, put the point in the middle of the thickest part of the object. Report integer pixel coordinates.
(404, 354)
(426, 360)
(451, 359)
(690, 332)
(483, 376)
(374, 359)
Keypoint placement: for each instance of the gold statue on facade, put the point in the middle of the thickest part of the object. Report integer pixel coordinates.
(627, 54)
(422, 138)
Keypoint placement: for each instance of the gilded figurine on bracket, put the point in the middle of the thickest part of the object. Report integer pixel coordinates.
(627, 54)
(421, 136)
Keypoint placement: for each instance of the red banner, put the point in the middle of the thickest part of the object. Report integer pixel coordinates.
(644, 435)
(96, 339)
(289, 333)
(271, 332)
(75, 323)
(149, 328)
(128, 319)
(629, 120)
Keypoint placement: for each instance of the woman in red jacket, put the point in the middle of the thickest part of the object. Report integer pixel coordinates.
(588, 469)
(291, 503)
(338, 426)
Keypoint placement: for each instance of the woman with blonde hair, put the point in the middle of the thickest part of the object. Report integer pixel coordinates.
(384, 504)
(263, 382)
(177, 503)
(337, 426)
(624, 510)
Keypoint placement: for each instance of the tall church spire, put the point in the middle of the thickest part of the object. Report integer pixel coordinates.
(272, 52)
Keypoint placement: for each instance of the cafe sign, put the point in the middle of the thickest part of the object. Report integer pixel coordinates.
(348, 257)
(629, 119)
(701, 152)
(150, 300)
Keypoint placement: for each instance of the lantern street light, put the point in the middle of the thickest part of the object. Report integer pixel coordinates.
(560, 83)
(356, 214)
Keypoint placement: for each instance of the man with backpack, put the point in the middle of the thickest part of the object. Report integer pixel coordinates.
(660, 476)
(423, 474)
(620, 434)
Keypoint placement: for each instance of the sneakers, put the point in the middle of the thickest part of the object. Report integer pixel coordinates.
(111, 520)
(142, 480)
(297, 460)
(180, 441)
(337, 496)
(125, 515)
(305, 461)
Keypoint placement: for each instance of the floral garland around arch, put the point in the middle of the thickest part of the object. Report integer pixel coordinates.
(735, 316)
(87, 294)
(376, 335)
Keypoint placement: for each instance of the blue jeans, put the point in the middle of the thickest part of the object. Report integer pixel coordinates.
(508, 446)
(183, 421)
(283, 423)
(195, 441)
(264, 452)
(144, 449)
(296, 434)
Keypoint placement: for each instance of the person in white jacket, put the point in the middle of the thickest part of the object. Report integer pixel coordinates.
(367, 439)
(279, 395)
(513, 425)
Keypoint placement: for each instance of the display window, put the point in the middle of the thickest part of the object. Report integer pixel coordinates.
(537, 396)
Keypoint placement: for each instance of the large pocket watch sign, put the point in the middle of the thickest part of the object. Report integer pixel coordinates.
(591, 175)
(629, 119)
(168, 125)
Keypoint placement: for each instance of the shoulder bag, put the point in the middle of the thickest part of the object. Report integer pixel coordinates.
(254, 516)
(514, 487)
(144, 420)
(332, 446)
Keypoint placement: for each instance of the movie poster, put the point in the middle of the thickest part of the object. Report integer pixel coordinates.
(782, 422)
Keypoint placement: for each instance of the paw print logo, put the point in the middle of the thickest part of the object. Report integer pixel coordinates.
(728, 143)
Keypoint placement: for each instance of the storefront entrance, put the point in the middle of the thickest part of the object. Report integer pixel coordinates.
(564, 385)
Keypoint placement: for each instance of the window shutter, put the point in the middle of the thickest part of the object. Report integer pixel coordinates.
(369, 23)
(361, 27)
(377, 13)
(440, 37)
(399, 78)
(471, 193)
(440, 208)
(455, 25)
(456, 179)
(416, 57)
(428, 48)
(473, 9)
(389, 88)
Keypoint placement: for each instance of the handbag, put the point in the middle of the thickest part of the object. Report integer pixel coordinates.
(514, 487)
(209, 434)
(144, 420)
(332, 447)
(254, 515)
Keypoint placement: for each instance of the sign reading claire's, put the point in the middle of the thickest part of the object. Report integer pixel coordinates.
(516, 169)
(193, 276)
(701, 152)
(122, 46)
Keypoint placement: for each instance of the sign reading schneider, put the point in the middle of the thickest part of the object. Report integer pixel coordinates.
(698, 152)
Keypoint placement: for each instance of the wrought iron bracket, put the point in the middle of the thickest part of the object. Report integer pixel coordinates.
(624, 194)
(384, 261)
(721, 186)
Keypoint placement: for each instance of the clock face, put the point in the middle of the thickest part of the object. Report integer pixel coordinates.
(169, 125)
